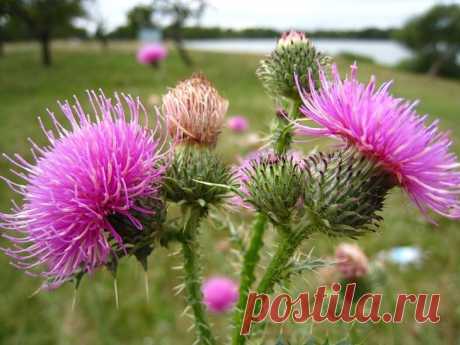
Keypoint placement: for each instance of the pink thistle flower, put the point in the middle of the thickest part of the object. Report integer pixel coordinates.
(151, 54)
(219, 294)
(98, 168)
(238, 124)
(390, 132)
(352, 262)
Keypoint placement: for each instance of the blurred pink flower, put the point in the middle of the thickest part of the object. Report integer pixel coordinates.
(151, 54)
(220, 294)
(352, 262)
(238, 124)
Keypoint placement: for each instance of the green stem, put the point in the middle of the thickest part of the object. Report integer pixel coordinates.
(283, 137)
(283, 133)
(193, 277)
(289, 242)
(251, 258)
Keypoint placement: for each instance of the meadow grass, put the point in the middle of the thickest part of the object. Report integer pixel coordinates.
(27, 89)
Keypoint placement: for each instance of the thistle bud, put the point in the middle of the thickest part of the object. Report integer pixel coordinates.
(293, 55)
(272, 184)
(345, 192)
(194, 111)
(196, 176)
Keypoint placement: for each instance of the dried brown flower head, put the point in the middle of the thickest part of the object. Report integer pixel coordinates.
(194, 111)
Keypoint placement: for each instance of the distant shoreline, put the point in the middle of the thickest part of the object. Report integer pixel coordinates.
(386, 52)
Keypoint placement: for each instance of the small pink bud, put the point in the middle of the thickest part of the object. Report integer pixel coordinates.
(220, 294)
(238, 124)
(352, 262)
(292, 37)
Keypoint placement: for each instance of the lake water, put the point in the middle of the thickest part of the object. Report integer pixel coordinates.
(382, 51)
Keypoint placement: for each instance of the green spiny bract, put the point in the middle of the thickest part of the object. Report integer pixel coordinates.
(136, 241)
(196, 177)
(345, 191)
(275, 185)
(291, 57)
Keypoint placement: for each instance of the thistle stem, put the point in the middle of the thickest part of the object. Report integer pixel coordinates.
(193, 277)
(289, 242)
(251, 258)
(283, 135)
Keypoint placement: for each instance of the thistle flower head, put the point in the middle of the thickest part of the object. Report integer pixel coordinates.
(196, 175)
(352, 262)
(344, 192)
(389, 132)
(270, 183)
(293, 55)
(102, 167)
(194, 111)
(292, 37)
(151, 54)
(219, 294)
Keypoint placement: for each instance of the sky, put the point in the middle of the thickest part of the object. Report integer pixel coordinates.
(287, 14)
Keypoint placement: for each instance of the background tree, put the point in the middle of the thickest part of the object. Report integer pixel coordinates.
(138, 17)
(178, 13)
(97, 16)
(3, 21)
(45, 18)
(101, 34)
(434, 37)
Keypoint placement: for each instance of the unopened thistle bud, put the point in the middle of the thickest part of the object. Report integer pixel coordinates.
(272, 184)
(194, 111)
(293, 55)
(345, 192)
(196, 176)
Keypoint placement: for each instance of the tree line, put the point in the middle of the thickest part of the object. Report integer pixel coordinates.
(434, 36)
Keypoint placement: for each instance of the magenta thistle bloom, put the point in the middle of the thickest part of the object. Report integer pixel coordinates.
(389, 131)
(238, 124)
(151, 54)
(98, 168)
(219, 294)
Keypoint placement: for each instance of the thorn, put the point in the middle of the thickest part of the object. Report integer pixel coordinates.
(186, 310)
(115, 289)
(36, 292)
(74, 299)
(146, 285)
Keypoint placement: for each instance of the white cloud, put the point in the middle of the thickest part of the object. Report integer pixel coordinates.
(284, 14)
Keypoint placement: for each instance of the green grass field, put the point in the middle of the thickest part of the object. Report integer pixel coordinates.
(27, 89)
